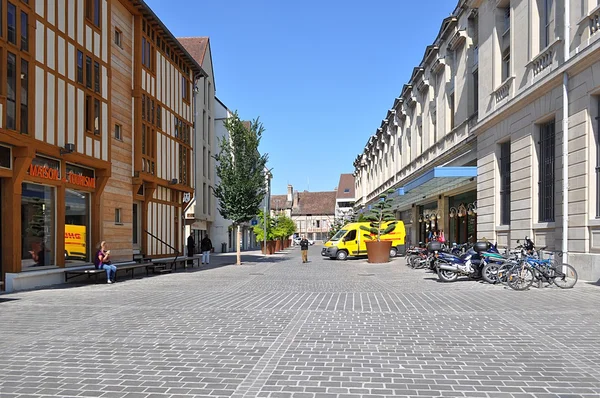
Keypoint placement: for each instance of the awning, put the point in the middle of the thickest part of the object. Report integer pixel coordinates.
(434, 182)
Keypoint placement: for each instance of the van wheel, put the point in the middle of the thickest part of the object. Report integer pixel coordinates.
(341, 255)
(393, 252)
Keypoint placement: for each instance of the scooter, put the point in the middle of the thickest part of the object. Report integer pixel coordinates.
(449, 267)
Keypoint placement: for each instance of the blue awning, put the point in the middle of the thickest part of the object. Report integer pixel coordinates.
(434, 182)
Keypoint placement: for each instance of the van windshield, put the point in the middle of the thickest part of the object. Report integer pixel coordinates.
(338, 235)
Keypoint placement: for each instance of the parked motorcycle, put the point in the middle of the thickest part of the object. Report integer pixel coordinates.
(449, 267)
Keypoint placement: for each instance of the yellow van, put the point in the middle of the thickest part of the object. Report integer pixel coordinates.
(349, 241)
(75, 242)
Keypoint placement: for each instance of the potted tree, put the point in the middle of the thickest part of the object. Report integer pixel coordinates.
(381, 222)
(259, 231)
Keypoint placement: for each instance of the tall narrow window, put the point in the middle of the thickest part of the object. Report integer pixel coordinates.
(118, 132)
(476, 91)
(1, 24)
(546, 172)
(24, 32)
(159, 117)
(434, 124)
(598, 157)
(136, 224)
(505, 183)
(96, 116)
(96, 77)
(88, 72)
(88, 113)
(11, 92)
(144, 56)
(118, 38)
(506, 64)
(11, 23)
(79, 67)
(546, 24)
(451, 106)
(24, 97)
(89, 10)
(96, 12)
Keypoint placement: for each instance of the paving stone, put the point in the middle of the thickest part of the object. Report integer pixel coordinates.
(279, 328)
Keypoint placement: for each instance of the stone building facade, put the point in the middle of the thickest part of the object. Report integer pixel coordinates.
(486, 157)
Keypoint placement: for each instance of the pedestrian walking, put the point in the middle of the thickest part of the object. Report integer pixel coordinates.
(102, 261)
(191, 247)
(304, 249)
(206, 246)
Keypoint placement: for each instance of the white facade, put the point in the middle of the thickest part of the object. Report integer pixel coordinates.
(220, 228)
(535, 57)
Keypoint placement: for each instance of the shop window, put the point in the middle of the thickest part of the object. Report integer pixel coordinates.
(38, 226)
(77, 217)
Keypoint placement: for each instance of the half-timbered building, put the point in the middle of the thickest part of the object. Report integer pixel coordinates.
(96, 126)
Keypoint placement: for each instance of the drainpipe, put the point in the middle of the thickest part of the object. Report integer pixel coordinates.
(565, 128)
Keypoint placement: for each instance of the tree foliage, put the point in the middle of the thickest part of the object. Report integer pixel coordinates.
(241, 170)
(381, 217)
(259, 229)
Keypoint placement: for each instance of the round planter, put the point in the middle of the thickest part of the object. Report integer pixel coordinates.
(378, 252)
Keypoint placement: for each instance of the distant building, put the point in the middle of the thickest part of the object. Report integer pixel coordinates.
(344, 200)
(201, 213)
(312, 212)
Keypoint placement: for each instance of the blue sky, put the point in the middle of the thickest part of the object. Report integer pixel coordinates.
(320, 74)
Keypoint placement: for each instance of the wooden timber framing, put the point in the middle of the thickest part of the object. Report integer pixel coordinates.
(81, 83)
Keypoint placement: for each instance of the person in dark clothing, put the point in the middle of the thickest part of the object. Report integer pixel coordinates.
(304, 249)
(206, 246)
(191, 247)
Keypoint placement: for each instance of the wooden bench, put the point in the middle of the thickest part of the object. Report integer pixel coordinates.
(129, 268)
(69, 274)
(172, 263)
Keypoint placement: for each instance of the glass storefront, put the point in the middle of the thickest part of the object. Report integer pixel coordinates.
(77, 227)
(38, 226)
(428, 219)
(462, 218)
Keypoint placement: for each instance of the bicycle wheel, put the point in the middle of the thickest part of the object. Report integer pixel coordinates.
(565, 276)
(520, 278)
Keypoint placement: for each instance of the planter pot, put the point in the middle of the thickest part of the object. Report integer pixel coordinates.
(262, 247)
(378, 252)
(270, 246)
(278, 247)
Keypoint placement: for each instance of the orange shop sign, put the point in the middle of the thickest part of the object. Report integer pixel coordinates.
(81, 180)
(43, 171)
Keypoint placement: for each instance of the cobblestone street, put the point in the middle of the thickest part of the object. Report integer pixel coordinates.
(280, 328)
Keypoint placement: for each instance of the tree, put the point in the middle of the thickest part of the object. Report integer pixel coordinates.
(241, 170)
(381, 217)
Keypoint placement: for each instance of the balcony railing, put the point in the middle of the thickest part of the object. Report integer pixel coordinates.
(594, 20)
(544, 59)
(503, 91)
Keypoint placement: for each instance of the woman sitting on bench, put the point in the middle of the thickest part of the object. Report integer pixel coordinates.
(102, 261)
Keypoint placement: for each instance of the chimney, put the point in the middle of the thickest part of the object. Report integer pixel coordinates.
(289, 193)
